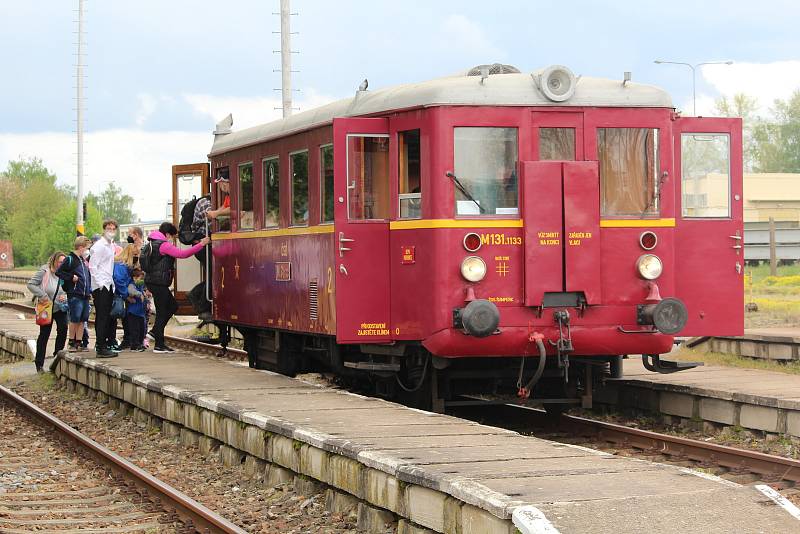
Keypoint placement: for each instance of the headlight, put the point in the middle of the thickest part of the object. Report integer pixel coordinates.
(473, 268)
(649, 266)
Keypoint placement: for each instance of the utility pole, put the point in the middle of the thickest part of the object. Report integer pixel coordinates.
(79, 220)
(773, 254)
(286, 58)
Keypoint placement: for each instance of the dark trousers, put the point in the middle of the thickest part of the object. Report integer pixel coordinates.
(60, 318)
(103, 298)
(165, 309)
(134, 326)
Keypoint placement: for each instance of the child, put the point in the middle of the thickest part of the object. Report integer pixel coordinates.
(135, 315)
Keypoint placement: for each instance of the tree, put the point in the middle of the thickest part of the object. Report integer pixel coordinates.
(18, 177)
(743, 106)
(113, 203)
(777, 143)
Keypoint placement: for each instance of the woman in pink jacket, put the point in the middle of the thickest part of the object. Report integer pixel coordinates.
(157, 260)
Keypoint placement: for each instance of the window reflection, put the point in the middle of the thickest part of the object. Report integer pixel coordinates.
(485, 162)
(705, 175)
(628, 171)
(299, 169)
(246, 196)
(272, 181)
(557, 144)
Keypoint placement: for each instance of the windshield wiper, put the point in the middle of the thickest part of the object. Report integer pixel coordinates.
(463, 190)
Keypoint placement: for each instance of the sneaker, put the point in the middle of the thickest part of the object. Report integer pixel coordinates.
(106, 353)
(137, 349)
(146, 343)
(72, 347)
(163, 350)
(115, 348)
(39, 370)
(124, 346)
(150, 335)
(205, 316)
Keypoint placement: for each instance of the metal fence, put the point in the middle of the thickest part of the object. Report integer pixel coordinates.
(757, 243)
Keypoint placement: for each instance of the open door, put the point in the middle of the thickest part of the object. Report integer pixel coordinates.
(709, 230)
(188, 181)
(361, 218)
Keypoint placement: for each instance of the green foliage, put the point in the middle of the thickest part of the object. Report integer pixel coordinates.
(114, 204)
(36, 215)
(745, 107)
(777, 143)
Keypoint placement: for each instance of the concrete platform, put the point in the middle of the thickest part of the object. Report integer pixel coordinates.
(782, 344)
(431, 471)
(751, 398)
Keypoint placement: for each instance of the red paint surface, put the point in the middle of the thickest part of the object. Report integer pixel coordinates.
(582, 229)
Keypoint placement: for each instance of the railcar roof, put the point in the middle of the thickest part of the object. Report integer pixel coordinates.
(497, 90)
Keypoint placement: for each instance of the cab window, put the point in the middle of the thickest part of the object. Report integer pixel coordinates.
(326, 182)
(485, 167)
(299, 170)
(557, 144)
(272, 180)
(705, 175)
(628, 159)
(246, 196)
(223, 196)
(410, 184)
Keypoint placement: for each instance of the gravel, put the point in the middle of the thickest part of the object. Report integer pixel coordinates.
(248, 502)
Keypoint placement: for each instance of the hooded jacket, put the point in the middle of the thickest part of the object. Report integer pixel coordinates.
(73, 265)
(162, 258)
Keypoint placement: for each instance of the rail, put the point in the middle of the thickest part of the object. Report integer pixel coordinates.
(190, 511)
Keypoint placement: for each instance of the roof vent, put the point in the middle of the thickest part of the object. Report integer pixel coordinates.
(494, 68)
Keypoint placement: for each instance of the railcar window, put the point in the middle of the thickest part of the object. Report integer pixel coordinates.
(557, 144)
(410, 184)
(222, 181)
(368, 177)
(485, 163)
(299, 167)
(705, 175)
(326, 182)
(272, 181)
(628, 171)
(246, 196)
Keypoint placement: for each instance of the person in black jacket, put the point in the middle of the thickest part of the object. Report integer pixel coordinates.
(78, 284)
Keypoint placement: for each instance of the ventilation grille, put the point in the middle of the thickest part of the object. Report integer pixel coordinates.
(313, 303)
(494, 68)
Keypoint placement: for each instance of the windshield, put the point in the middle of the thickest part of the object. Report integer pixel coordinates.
(485, 163)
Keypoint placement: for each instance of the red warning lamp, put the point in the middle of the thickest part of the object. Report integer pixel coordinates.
(472, 242)
(648, 240)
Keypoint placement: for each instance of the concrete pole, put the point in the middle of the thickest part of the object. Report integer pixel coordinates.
(773, 256)
(79, 222)
(286, 59)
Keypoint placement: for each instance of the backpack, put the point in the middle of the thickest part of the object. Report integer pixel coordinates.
(146, 257)
(186, 235)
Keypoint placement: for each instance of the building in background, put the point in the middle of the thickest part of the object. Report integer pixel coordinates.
(775, 195)
(146, 226)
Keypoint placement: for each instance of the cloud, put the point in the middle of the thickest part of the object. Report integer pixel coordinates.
(139, 162)
(764, 81)
(147, 106)
(466, 38)
(250, 111)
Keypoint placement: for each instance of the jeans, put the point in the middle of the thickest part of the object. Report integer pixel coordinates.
(103, 299)
(134, 325)
(60, 318)
(165, 309)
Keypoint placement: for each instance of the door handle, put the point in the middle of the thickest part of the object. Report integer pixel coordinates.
(342, 241)
(342, 269)
(737, 241)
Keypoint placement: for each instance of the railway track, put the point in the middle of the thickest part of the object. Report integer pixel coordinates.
(84, 487)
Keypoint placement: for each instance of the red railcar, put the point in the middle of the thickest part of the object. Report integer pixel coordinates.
(434, 236)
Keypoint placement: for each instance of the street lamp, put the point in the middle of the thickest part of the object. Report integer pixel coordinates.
(693, 67)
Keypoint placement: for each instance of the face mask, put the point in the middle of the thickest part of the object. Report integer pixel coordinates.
(110, 236)
(130, 239)
(85, 254)
(138, 283)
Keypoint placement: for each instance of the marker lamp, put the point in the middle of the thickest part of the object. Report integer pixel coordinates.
(649, 266)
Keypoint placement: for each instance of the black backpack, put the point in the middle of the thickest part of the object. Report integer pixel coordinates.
(146, 257)
(186, 235)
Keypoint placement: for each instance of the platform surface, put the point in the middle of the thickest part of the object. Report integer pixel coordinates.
(769, 388)
(578, 490)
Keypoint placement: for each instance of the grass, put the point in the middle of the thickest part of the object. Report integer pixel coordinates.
(777, 297)
(732, 360)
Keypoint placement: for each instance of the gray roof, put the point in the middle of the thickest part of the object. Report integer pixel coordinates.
(497, 90)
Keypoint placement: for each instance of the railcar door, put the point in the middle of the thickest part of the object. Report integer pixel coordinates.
(709, 232)
(188, 181)
(361, 219)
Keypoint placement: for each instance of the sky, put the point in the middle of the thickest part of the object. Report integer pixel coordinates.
(160, 74)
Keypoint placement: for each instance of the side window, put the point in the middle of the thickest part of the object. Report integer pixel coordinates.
(628, 159)
(705, 175)
(557, 144)
(299, 170)
(246, 196)
(272, 181)
(326, 182)
(409, 174)
(368, 177)
(485, 164)
(222, 182)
